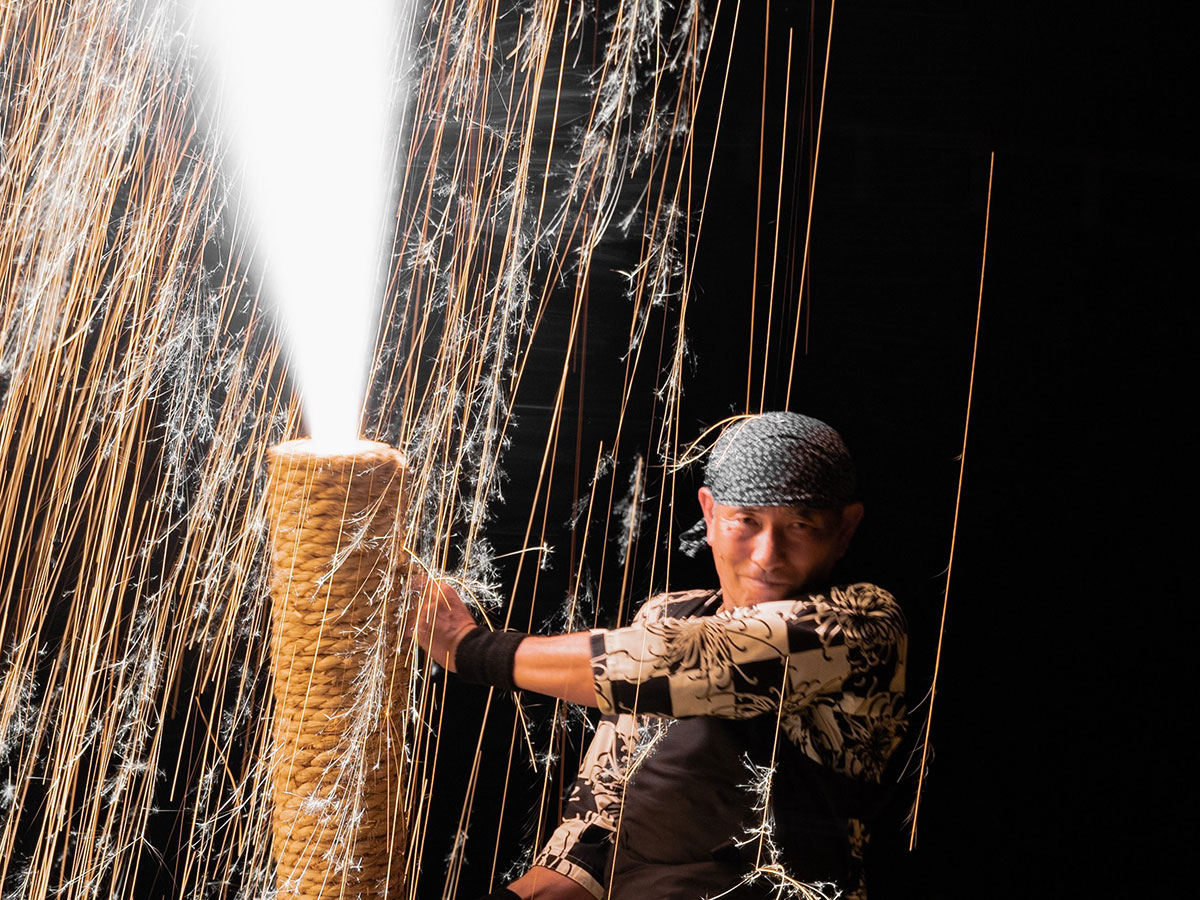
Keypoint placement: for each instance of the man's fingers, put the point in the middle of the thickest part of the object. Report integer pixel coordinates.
(442, 619)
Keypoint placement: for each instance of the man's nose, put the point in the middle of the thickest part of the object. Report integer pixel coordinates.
(766, 550)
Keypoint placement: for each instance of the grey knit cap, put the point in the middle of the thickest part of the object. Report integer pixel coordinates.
(776, 459)
(780, 459)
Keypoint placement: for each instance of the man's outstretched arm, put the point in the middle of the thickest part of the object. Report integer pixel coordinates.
(685, 667)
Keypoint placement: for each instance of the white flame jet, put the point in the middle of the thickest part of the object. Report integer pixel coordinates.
(307, 100)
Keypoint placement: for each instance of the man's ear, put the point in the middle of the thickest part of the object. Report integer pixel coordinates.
(706, 506)
(852, 515)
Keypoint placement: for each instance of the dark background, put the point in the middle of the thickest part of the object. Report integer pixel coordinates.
(1051, 772)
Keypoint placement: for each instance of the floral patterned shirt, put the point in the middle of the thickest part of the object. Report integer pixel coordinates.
(828, 668)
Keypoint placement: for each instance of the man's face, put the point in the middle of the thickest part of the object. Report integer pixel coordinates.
(774, 552)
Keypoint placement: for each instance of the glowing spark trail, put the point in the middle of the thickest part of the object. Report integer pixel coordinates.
(962, 468)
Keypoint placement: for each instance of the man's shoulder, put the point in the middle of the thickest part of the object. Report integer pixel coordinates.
(857, 609)
(863, 610)
(860, 594)
(863, 596)
(679, 605)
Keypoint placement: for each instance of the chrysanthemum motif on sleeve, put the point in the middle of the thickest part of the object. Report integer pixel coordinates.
(870, 619)
(578, 847)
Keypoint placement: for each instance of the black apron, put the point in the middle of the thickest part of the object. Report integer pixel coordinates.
(690, 802)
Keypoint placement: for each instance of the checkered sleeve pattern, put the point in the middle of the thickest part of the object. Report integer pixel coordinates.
(748, 661)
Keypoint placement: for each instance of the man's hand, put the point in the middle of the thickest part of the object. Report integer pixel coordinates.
(540, 883)
(557, 666)
(442, 619)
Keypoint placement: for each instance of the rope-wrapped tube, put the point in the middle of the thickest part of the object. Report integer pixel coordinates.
(340, 665)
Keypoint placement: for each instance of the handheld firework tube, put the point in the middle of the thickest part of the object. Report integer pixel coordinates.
(340, 660)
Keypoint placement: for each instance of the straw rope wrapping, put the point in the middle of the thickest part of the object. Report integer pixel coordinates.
(341, 668)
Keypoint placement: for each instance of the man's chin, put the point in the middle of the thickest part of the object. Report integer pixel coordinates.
(759, 592)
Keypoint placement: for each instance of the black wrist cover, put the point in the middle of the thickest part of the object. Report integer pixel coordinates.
(486, 657)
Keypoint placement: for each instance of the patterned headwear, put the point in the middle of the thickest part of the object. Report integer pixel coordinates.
(776, 459)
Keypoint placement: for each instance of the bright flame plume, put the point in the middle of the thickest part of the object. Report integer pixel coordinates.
(308, 97)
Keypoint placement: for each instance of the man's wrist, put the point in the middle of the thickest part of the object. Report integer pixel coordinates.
(486, 657)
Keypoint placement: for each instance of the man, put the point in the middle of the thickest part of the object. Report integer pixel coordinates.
(778, 674)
